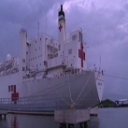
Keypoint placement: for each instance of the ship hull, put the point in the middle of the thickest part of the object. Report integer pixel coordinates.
(81, 90)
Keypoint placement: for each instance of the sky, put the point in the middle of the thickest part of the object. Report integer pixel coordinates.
(105, 29)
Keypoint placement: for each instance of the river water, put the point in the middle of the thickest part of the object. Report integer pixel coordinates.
(107, 118)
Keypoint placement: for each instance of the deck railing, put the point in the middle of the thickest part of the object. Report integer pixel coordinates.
(35, 104)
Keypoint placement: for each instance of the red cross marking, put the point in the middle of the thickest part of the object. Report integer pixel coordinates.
(81, 54)
(60, 27)
(14, 123)
(15, 95)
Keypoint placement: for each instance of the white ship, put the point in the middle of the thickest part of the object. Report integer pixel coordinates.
(50, 75)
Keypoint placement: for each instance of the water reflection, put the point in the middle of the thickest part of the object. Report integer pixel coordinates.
(14, 123)
(3, 123)
(107, 118)
(29, 121)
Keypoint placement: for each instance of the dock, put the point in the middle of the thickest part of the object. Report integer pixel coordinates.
(3, 113)
(94, 111)
(72, 117)
(32, 113)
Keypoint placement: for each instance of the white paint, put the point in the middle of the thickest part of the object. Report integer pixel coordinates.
(99, 83)
(72, 116)
(8, 57)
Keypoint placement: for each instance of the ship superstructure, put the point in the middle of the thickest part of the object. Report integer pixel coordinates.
(50, 74)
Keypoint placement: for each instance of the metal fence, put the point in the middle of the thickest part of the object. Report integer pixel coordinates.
(35, 104)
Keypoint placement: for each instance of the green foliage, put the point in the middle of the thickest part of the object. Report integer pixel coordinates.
(106, 103)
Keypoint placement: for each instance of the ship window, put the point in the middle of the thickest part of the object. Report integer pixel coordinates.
(11, 88)
(23, 60)
(40, 39)
(74, 37)
(35, 41)
(70, 51)
(39, 47)
(59, 47)
(45, 63)
(80, 36)
(35, 49)
(23, 69)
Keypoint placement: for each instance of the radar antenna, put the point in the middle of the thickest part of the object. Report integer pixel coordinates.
(38, 28)
(100, 63)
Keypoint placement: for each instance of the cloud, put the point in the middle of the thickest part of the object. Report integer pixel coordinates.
(105, 31)
(17, 14)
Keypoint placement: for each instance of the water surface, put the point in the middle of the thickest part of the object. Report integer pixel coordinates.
(107, 118)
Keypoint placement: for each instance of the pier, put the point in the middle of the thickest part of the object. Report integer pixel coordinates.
(94, 111)
(3, 114)
(72, 117)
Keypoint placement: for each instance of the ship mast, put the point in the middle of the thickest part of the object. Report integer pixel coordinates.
(61, 29)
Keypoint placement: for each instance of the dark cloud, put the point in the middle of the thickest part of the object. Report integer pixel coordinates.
(107, 36)
(17, 14)
(126, 6)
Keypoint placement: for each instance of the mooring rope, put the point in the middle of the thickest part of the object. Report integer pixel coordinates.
(82, 89)
(69, 89)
